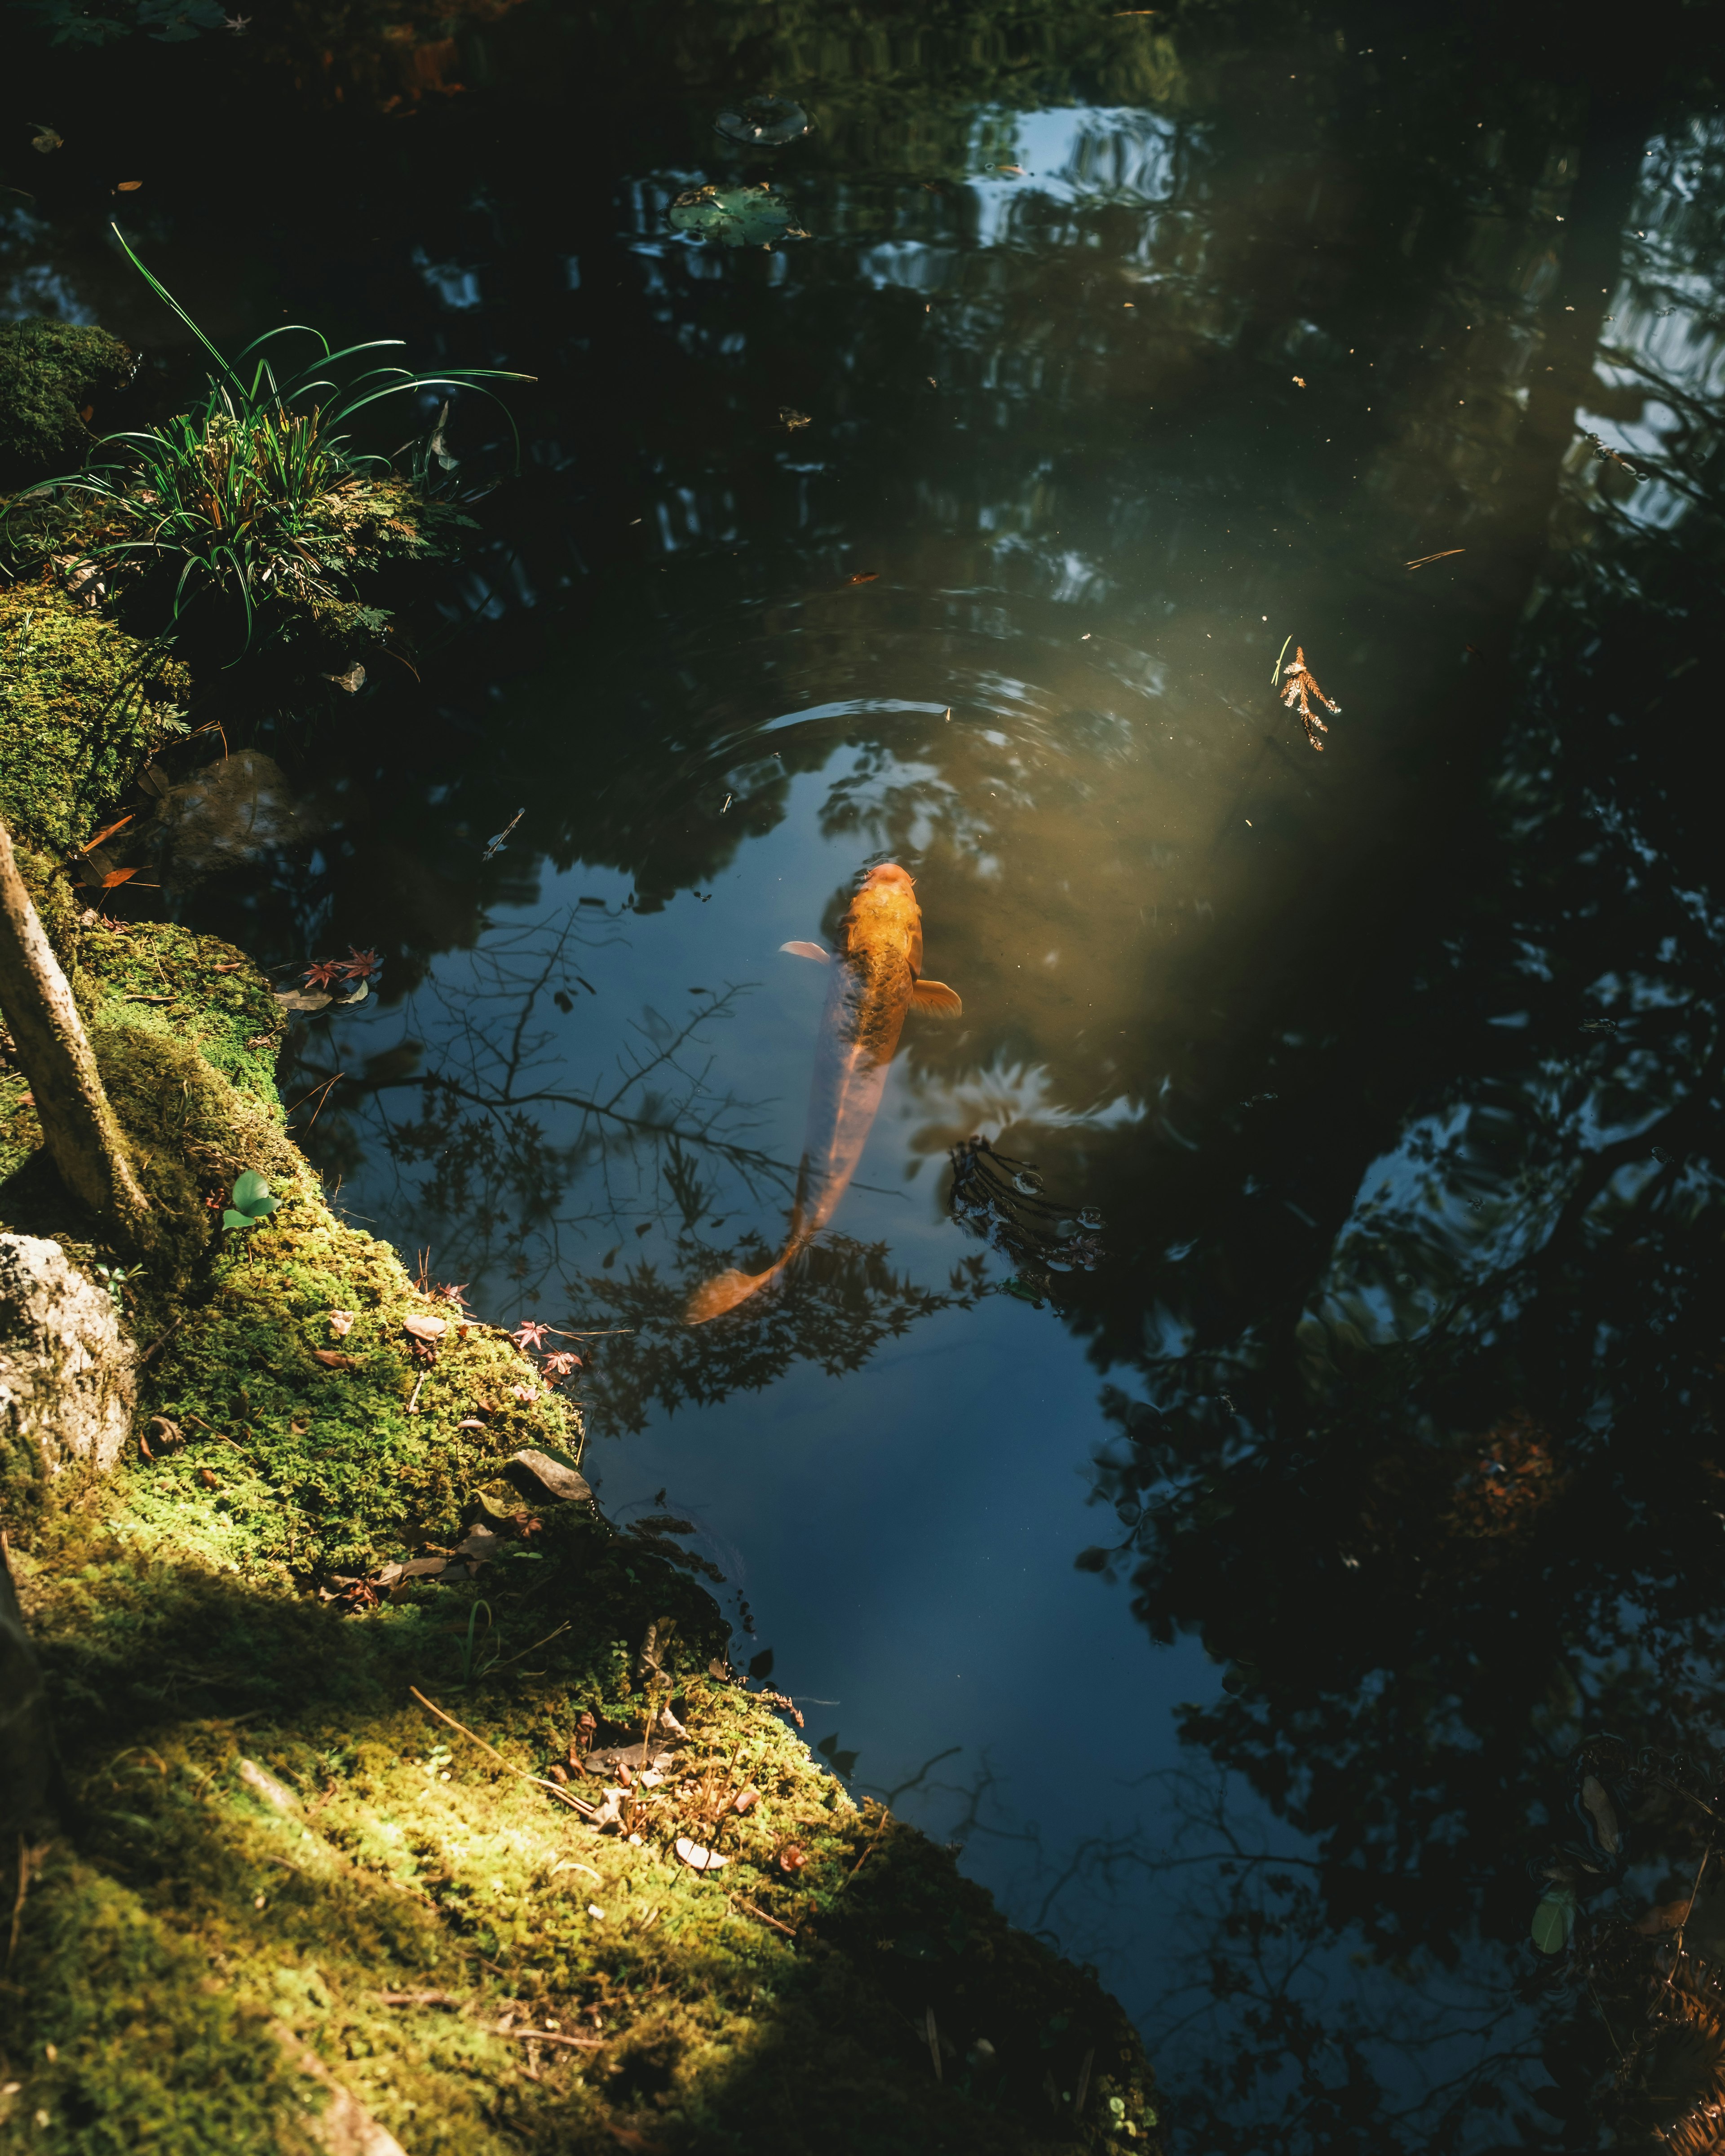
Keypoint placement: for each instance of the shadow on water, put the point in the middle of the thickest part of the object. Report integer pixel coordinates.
(1392, 1071)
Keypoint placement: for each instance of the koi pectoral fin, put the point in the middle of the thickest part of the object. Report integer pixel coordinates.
(807, 951)
(937, 1000)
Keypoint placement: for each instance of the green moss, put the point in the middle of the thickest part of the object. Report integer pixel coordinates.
(157, 978)
(83, 706)
(147, 2056)
(729, 2010)
(50, 375)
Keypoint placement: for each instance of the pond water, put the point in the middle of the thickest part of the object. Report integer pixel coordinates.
(1233, 1579)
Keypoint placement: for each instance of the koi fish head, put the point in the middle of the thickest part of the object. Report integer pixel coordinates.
(889, 874)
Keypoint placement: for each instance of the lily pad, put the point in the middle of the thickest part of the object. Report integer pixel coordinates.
(765, 123)
(735, 216)
(1554, 1921)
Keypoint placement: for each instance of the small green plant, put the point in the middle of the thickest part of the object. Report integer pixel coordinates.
(251, 1202)
(254, 495)
(473, 1670)
(117, 1279)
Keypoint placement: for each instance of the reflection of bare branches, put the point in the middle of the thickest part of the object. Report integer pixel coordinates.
(499, 1147)
(1324, 2046)
(916, 1781)
(835, 1306)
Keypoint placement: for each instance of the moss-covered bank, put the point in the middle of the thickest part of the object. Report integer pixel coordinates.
(53, 376)
(268, 1848)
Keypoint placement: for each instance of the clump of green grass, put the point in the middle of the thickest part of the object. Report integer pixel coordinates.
(255, 501)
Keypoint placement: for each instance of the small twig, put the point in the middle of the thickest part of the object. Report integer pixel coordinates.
(933, 2035)
(220, 1434)
(156, 1345)
(562, 1796)
(1083, 2089)
(553, 2036)
(316, 1090)
(880, 1829)
(738, 1903)
(1424, 558)
(27, 1861)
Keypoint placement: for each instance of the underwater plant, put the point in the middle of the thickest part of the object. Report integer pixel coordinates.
(254, 496)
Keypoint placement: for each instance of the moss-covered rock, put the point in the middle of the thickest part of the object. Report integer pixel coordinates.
(52, 375)
(324, 567)
(83, 706)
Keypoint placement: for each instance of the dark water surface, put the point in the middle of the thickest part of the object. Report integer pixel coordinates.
(1361, 1463)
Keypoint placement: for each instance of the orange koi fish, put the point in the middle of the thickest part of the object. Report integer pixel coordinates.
(876, 978)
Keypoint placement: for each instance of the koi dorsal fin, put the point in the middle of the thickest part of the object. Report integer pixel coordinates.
(937, 1000)
(807, 951)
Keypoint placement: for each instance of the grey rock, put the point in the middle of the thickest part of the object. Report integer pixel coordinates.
(544, 1480)
(68, 1373)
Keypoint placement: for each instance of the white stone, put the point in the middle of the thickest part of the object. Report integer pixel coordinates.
(68, 1373)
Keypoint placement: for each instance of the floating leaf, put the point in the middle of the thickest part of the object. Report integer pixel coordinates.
(117, 876)
(735, 216)
(45, 139)
(128, 187)
(425, 1328)
(763, 122)
(866, 577)
(1554, 1921)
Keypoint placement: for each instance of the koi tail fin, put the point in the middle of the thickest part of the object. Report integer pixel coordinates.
(724, 1292)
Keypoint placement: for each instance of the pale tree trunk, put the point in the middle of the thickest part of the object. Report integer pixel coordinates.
(84, 1139)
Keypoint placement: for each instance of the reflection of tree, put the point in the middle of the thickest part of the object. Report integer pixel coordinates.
(1440, 1479)
(504, 1160)
(835, 1306)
